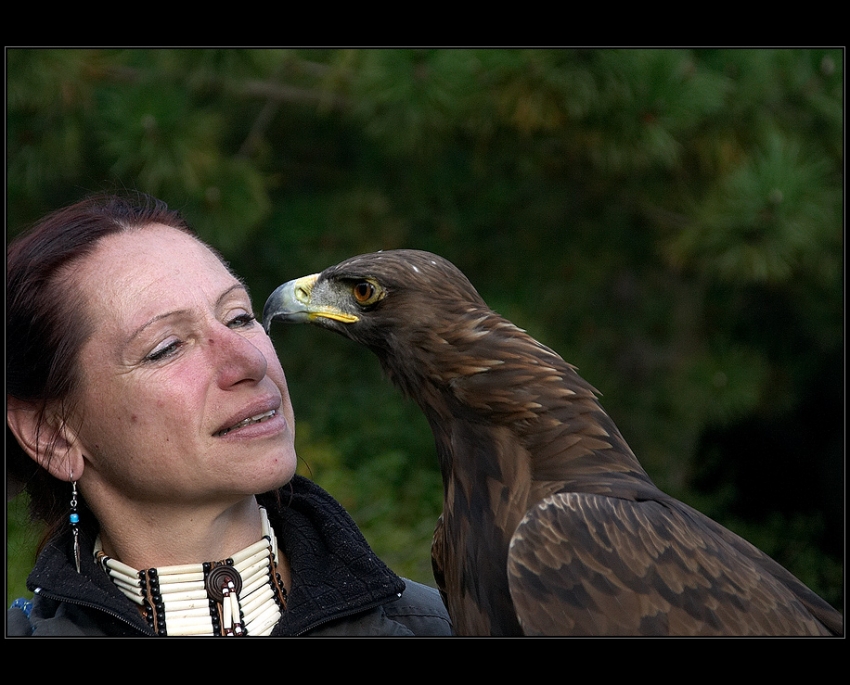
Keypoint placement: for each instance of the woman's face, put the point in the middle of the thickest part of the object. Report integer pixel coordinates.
(183, 398)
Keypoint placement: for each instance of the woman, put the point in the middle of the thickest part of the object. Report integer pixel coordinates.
(151, 423)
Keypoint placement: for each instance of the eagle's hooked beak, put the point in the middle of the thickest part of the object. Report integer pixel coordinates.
(293, 302)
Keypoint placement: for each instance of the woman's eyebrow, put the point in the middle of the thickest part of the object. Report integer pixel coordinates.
(178, 312)
(235, 286)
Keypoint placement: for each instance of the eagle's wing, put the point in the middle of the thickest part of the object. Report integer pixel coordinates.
(584, 564)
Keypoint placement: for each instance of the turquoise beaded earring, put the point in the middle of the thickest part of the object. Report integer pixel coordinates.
(74, 518)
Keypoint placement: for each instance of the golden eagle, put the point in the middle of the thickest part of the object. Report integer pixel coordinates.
(550, 525)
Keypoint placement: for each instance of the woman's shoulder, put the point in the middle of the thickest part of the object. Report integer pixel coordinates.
(418, 612)
(18, 618)
(421, 609)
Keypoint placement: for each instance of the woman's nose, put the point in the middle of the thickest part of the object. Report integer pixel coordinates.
(236, 357)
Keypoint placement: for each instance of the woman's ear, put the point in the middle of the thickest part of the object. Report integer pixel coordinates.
(46, 438)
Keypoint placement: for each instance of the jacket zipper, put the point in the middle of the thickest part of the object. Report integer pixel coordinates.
(58, 598)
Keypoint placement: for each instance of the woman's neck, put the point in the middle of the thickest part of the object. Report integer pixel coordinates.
(168, 536)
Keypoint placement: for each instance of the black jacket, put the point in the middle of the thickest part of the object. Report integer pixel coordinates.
(339, 587)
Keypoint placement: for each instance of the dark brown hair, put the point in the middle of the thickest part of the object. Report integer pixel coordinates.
(46, 326)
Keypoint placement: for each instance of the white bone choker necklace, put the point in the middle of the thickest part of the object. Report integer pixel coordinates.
(241, 595)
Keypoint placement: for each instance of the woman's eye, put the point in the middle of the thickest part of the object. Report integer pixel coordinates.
(164, 351)
(242, 321)
(171, 346)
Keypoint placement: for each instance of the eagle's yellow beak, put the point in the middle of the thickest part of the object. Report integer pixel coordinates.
(293, 302)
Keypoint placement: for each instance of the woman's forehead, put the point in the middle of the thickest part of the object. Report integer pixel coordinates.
(138, 273)
(153, 252)
(163, 242)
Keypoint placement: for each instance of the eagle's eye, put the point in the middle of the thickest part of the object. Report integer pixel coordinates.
(366, 293)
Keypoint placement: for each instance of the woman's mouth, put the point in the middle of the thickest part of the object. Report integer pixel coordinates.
(253, 419)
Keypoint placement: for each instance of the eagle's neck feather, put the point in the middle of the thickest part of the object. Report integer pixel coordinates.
(490, 372)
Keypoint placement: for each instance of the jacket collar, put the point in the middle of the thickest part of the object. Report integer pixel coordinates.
(334, 571)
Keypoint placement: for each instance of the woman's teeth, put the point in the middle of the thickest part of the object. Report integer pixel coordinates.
(254, 419)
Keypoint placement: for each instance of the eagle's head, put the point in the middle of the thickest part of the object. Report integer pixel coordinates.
(416, 311)
(386, 301)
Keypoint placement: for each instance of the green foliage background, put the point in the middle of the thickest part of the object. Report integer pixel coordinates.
(668, 220)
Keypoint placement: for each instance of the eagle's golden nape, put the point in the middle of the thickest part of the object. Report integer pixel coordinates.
(550, 526)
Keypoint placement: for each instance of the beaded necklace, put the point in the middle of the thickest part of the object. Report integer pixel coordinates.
(241, 595)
